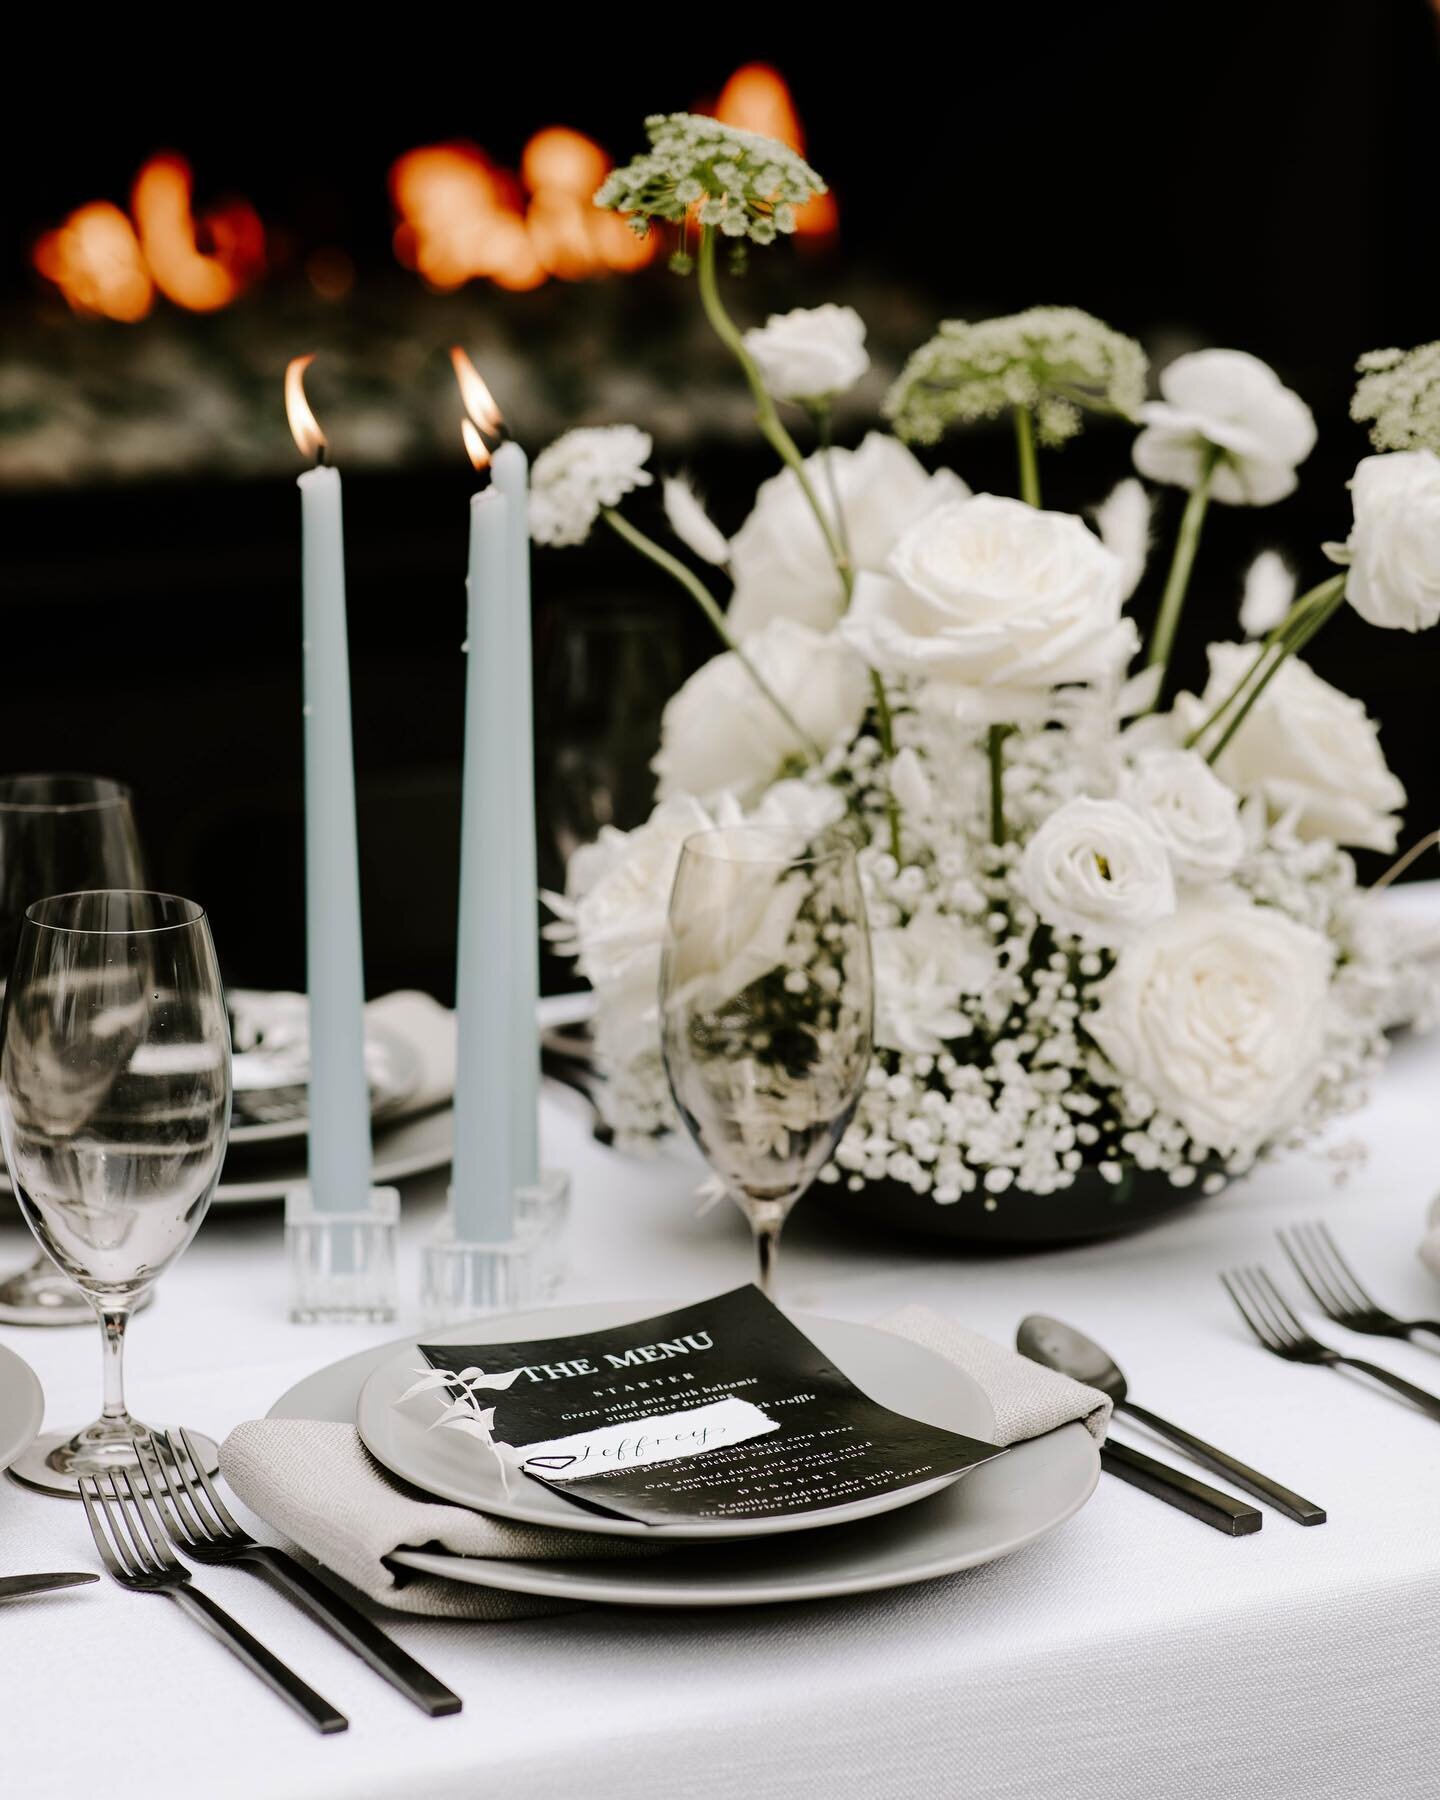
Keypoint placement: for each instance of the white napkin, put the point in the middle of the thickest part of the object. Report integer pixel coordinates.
(315, 1482)
(426, 1028)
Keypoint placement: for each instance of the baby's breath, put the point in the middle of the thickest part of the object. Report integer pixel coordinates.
(743, 185)
(1399, 395)
(1054, 360)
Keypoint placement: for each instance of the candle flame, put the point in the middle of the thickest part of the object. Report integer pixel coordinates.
(475, 445)
(479, 402)
(304, 427)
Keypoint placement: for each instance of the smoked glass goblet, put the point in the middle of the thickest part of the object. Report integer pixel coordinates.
(58, 833)
(766, 1011)
(114, 1109)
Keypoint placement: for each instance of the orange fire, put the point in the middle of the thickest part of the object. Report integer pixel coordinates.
(105, 262)
(475, 396)
(309, 439)
(756, 98)
(474, 445)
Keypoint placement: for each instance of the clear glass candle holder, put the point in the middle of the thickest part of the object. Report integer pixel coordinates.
(542, 1212)
(342, 1264)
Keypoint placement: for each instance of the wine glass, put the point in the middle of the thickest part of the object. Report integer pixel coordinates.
(766, 1011)
(57, 833)
(114, 1110)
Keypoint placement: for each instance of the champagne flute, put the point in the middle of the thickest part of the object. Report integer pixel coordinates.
(114, 1110)
(766, 1011)
(57, 833)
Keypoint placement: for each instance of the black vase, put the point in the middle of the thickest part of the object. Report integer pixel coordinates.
(1093, 1208)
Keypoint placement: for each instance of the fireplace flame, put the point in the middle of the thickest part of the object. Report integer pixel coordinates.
(475, 445)
(478, 401)
(310, 440)
(94, 259)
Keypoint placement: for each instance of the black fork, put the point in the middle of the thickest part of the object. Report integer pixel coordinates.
(1338, 1290)
(1268, 1314)
(199, 1523)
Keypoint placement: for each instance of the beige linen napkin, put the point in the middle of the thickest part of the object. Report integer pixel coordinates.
(315, 1482)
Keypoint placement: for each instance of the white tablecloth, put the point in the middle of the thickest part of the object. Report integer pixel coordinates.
(1134, 1655)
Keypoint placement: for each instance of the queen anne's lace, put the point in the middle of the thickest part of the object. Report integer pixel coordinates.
(1054, 360)
(744, 185)
(1398, 394)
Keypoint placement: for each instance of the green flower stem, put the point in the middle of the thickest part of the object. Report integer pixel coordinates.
(995, 743)
(1029, 464)
(708, 605)
(785, 447)
(1284, 638)
(1187, 541)
(1327, 600)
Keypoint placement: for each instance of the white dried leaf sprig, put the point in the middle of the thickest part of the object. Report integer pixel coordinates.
(466, 1414)
(742, 184)
(1054, 361)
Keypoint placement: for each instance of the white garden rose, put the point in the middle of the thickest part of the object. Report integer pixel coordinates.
(921, 971)
(1394, 547)
(1193, 813)
(1219, 1012)
(1307, 749)
(720, 734)
(998, 598)
(1096, 870)
(1232, 401)
(811, 353)
(778, 558)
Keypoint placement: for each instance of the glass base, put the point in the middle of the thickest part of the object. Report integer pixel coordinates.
(41, 1295)
(461, 1280)
(342, 1265)
(56, 1460)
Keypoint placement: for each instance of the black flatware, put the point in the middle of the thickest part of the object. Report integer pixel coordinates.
(1061, 1347)
(1337, 1289)
(16, 1587)
(1269, 1315)
(1222, 1512)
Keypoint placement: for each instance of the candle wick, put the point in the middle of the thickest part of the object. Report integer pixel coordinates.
(320, 454)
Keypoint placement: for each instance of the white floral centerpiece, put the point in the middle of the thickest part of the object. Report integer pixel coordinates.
(1115, 930)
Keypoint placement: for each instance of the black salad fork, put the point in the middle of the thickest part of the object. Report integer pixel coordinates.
(199, 1523)
(1337, 1288)
(1268, 1314)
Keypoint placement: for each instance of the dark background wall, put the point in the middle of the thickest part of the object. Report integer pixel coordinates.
(1260, 176)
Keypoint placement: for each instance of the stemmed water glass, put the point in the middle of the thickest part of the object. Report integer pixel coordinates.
(766, 1011)
(58, 833)
(114, 1109)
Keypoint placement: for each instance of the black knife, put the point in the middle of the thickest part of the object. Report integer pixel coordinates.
(12, 1587)
(1236, 1518)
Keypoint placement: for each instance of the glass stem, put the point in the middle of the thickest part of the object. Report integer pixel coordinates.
(112, 1339)
(767, 1251)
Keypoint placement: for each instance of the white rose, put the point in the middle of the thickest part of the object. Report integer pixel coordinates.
(1219, 1012)
(992, 595)
(1307, 749)
(810, 353)
(809, 806)
(719, 732)
(1394, 547)
(1189, 809)
(921, 971)
(1237, 404)
(1095, 870)
(778, 558)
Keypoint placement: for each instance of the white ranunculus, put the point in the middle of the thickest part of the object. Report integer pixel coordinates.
(1307, 749)
(720, 733)
(811, 353)
(1193, 813)
(1394, 547)
(921, 971)
(1220, 1013)
(996, 598)
(1232, 401)
(580, 474)
(1096, 870)
(778, 558)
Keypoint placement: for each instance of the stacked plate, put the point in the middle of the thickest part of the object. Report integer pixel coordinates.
(886, 1540)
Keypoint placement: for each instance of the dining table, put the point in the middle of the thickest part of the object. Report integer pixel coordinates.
(1133, 1653)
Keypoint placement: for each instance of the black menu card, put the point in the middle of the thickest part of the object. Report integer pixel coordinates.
(723, 1410)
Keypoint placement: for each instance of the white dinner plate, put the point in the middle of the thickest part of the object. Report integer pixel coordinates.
(999, 1507)
(395, 1072)
(22, 1406)
(899, 1374)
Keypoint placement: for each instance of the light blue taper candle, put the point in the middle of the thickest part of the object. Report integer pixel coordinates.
(486, 1170)
(339, 1143)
